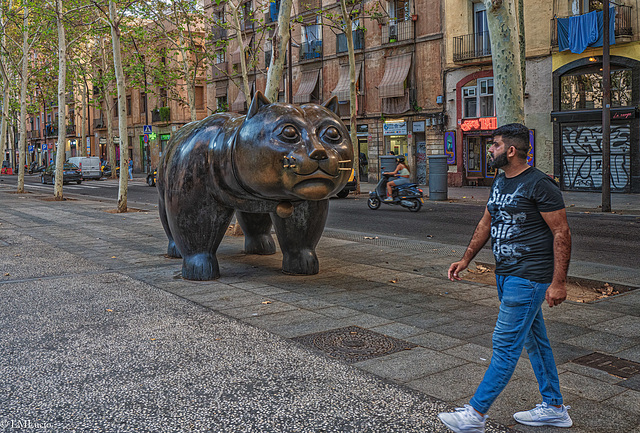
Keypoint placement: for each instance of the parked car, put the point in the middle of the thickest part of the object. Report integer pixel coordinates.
(90, 166)
(350, 186)
(70, 173)
(152, 177)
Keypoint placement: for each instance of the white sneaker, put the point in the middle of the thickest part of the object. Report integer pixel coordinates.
(543, 414)
(388, 199)
(464, 420)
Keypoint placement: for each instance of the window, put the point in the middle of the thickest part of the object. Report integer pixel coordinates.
(583, 91)
(399, 10)
(143, 102)
(470, 102)
(38, 123)
(115, 107)
(128, 105)
(246, 15)
(311, 41)
(219, 57)
(485, 88)
(199, 90)
(221, 104)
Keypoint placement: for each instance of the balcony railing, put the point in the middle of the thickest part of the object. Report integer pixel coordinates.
(51, 130)
(99, 124)
(162, 114)
(471, 46)
(218, 33)
(623, 24)
(358, 41)
(311, 50)
(396, 31)
(33, 133)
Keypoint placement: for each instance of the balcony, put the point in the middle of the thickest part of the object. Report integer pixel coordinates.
(272, 15)
(396, 31)
(162, 114)
(358, 41)
(51, 131)
(99, 124)
(623, 24)
(71, 130)
(33, 134)
(218, 70)
(473, 46)
(311, 50)
(218, 33)
(344, 109)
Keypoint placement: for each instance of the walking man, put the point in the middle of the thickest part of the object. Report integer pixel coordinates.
(531, 241)
(130, 168)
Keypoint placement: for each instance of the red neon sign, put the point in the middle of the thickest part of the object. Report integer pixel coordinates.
(481, 124)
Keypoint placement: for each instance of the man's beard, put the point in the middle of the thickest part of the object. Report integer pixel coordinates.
(499, 161)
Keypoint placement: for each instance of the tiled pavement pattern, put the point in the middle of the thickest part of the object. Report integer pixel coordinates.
(70, 262)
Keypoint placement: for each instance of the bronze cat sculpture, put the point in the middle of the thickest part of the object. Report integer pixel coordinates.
(277, 165)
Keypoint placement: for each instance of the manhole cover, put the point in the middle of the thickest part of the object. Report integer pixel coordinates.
(616, 366)
(353, 344)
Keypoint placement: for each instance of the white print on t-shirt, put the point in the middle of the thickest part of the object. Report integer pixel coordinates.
(506, 226)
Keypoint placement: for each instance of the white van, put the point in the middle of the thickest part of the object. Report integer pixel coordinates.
(90, 166)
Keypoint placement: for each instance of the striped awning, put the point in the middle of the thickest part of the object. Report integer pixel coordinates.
(221, 88)
(307, 86)
(395, 73)
(240, 104)
(342, 88)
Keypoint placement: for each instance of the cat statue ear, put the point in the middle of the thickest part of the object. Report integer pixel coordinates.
(331, 104)
(259, 100)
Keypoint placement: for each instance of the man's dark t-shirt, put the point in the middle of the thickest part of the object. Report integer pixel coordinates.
(521, 240)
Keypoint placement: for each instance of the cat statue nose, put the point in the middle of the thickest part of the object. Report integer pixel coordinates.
(318, 153)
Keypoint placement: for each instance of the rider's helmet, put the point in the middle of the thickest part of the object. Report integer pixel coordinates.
(400, 159)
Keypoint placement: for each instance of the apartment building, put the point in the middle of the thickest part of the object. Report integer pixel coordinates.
(563, 94)
(398, 70)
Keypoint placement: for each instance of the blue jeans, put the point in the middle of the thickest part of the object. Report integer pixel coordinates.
(519, 324)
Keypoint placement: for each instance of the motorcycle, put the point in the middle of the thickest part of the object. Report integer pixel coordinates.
(408, 195)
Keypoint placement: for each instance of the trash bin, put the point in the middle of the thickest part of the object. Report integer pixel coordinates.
(387, 163)
(438, 177)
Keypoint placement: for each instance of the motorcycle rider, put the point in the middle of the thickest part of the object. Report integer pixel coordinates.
(402, 176)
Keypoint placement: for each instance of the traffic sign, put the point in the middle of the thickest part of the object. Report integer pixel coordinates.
(146, 129)
(145, 138)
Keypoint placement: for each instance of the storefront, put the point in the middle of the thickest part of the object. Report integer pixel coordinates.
(577, 125)
(395, 137)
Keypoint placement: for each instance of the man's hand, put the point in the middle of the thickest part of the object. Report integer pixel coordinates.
(556, 294)
(456, 268)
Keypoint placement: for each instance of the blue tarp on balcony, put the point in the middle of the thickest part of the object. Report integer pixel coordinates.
(582, 31)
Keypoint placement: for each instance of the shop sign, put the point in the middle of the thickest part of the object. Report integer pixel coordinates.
(481, 124)
(418, 126)
(394, 128)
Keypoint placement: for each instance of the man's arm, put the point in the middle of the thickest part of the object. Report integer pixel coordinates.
(480, 237)
(557, 222)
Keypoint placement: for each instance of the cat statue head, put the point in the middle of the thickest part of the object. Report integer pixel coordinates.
(290, 152)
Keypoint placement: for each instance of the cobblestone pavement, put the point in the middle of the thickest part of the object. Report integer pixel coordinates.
(100, 333)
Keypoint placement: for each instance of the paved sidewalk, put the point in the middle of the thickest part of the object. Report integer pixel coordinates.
(98, 332)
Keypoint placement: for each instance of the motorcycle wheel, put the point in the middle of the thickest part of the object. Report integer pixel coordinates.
(373, 203)
(416, 205)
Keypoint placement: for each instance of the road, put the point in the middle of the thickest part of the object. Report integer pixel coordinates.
(599, 238)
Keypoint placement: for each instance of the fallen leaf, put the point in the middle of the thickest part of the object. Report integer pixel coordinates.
(152, 339)
(370, 237)
(266, 302)
(17, 255)
(109, 310)
(113, 257)
(7, 274)
(395, 280)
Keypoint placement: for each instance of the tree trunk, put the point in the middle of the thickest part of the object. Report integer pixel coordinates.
(352, 92)
(5, 87)
(62, 82)
(502, 19)
(523, 46)
(243, 60)
(122, 107)
(111, 151)
(22, 151)
(278, 51)
(83, 119)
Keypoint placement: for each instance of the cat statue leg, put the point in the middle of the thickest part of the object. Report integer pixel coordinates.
(172, 250)
(257, 233)
(298, 236)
